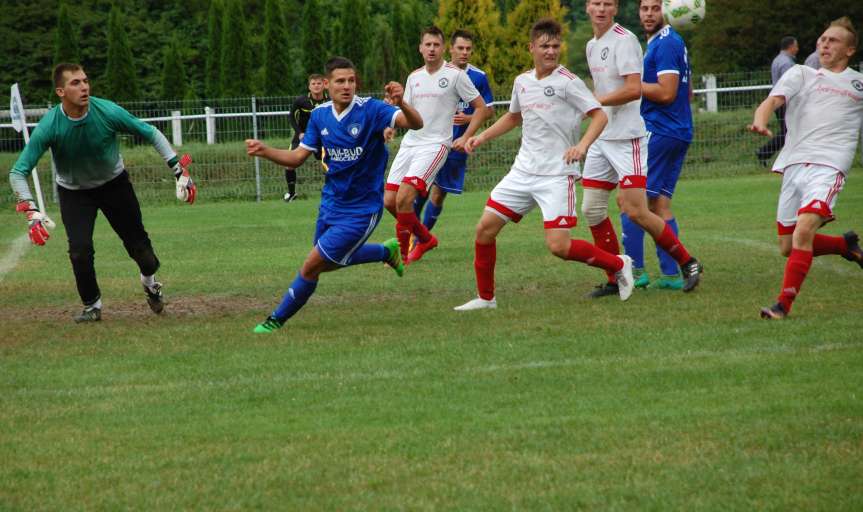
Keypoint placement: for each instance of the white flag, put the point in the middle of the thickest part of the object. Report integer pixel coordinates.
(16, 107)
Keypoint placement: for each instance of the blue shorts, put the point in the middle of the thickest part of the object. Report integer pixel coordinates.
(338, 236)
(450, 178)
(665, 157)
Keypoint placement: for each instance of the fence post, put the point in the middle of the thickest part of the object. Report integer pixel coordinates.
(211, 125)
(54, 197)
(177, 127)
(257, 160)
(712, 97)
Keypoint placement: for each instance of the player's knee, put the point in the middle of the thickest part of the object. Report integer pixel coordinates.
(559, 248)
(81, 256)
(595, 206)
(485, 234)
(405, 200)
(390, 203)
(145, 257)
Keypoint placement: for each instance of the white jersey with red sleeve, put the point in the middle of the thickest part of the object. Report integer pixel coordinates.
(551, 109)
(611, 57)
(436, 97)
(824, 117)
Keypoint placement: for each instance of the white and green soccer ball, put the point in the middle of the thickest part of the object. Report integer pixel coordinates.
(684, 14)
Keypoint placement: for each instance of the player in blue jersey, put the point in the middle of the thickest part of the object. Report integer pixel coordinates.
(349, 131)
(450, 179)
(665, 108)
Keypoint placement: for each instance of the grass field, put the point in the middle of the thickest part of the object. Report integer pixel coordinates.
(378, 396)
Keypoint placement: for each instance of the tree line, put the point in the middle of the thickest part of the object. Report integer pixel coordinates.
(139, 49)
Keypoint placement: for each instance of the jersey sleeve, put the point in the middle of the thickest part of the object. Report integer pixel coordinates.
(122, 121)
(33, 151)
(406, 97)
(790, 84)
(312, 136)
(628, 57)
(485, 89)
(465, 88)
(669, 57)
(385, 115)
(514, 105)
(579, 97)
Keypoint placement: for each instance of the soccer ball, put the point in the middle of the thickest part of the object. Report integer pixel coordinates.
(683, 14)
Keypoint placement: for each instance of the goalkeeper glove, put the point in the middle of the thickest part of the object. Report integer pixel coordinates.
(38, 232)
(186, 189)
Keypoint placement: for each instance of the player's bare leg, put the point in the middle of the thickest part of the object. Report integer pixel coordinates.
(633, 203)
(484, 261)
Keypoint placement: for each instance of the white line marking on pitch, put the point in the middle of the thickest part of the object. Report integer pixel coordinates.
(11, 258)
(829, 262)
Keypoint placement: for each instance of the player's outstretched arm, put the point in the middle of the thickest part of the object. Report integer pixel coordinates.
(763, 113)
(506, 123)
(598, 120)
(408, 118)
(286, 158)
(630, 91)
(476, 121)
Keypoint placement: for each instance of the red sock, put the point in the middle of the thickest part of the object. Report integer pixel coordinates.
(606, 239)
(669, 242)
(483, 264)
(420, 230)
(579, 250)
(825, 244)
(795, 272)
(404, 228)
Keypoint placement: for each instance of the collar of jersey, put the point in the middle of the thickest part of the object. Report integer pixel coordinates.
(345, 112)
(74, 119)
(533, 73)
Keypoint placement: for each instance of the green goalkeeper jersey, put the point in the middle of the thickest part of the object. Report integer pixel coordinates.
(86, 150)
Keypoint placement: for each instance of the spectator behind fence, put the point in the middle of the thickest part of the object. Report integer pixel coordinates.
(781, 63)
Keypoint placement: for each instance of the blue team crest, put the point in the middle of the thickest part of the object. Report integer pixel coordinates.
(857, 84)
(354, 129)
(442, 83)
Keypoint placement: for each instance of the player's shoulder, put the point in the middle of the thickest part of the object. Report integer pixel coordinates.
(321, 106)
(104, 104)
(364, 102)
(563, 73)
(622, 33)
(473, 70)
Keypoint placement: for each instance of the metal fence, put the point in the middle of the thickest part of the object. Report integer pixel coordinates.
(213, 131)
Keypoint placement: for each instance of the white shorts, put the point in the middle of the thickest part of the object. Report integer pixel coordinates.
(518, 193)
(612, 162)
(807, 188)
(417, 166)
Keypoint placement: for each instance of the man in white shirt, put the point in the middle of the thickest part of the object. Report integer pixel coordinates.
(618, 159)
(435, 91)
(549, 103)
(825, 119)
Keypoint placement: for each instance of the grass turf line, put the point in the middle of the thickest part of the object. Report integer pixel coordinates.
(377, 395)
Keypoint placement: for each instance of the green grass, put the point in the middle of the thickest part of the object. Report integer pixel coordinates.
(378, 396)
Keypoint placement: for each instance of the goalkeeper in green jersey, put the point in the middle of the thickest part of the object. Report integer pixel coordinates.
(82, 134)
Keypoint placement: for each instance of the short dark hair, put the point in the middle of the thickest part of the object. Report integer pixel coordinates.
(464, 34)
(338, 63)
(61, 68)
(787, 42)
(546, 27)
(432, 31)
(316, 76)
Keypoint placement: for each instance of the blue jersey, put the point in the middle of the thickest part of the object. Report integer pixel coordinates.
(666, 53)
(354, 153)
(480, 81)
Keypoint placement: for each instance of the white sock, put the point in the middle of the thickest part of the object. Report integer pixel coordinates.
(95, 305)
(148, 281)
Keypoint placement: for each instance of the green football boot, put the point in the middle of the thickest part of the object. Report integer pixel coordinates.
(668, 283)
(395, 259)
(642, 280)
(269, 325)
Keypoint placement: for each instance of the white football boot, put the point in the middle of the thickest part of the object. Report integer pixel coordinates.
(477, 303)
(625, 280)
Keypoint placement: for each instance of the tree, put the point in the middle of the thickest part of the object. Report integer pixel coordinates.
(354, 29)
(120, 82)
(173, 73)
(276, 54)
(235, 73)
(313, 38)
(213, 69)
(512, 57)
(65, 39)
(479, 17)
